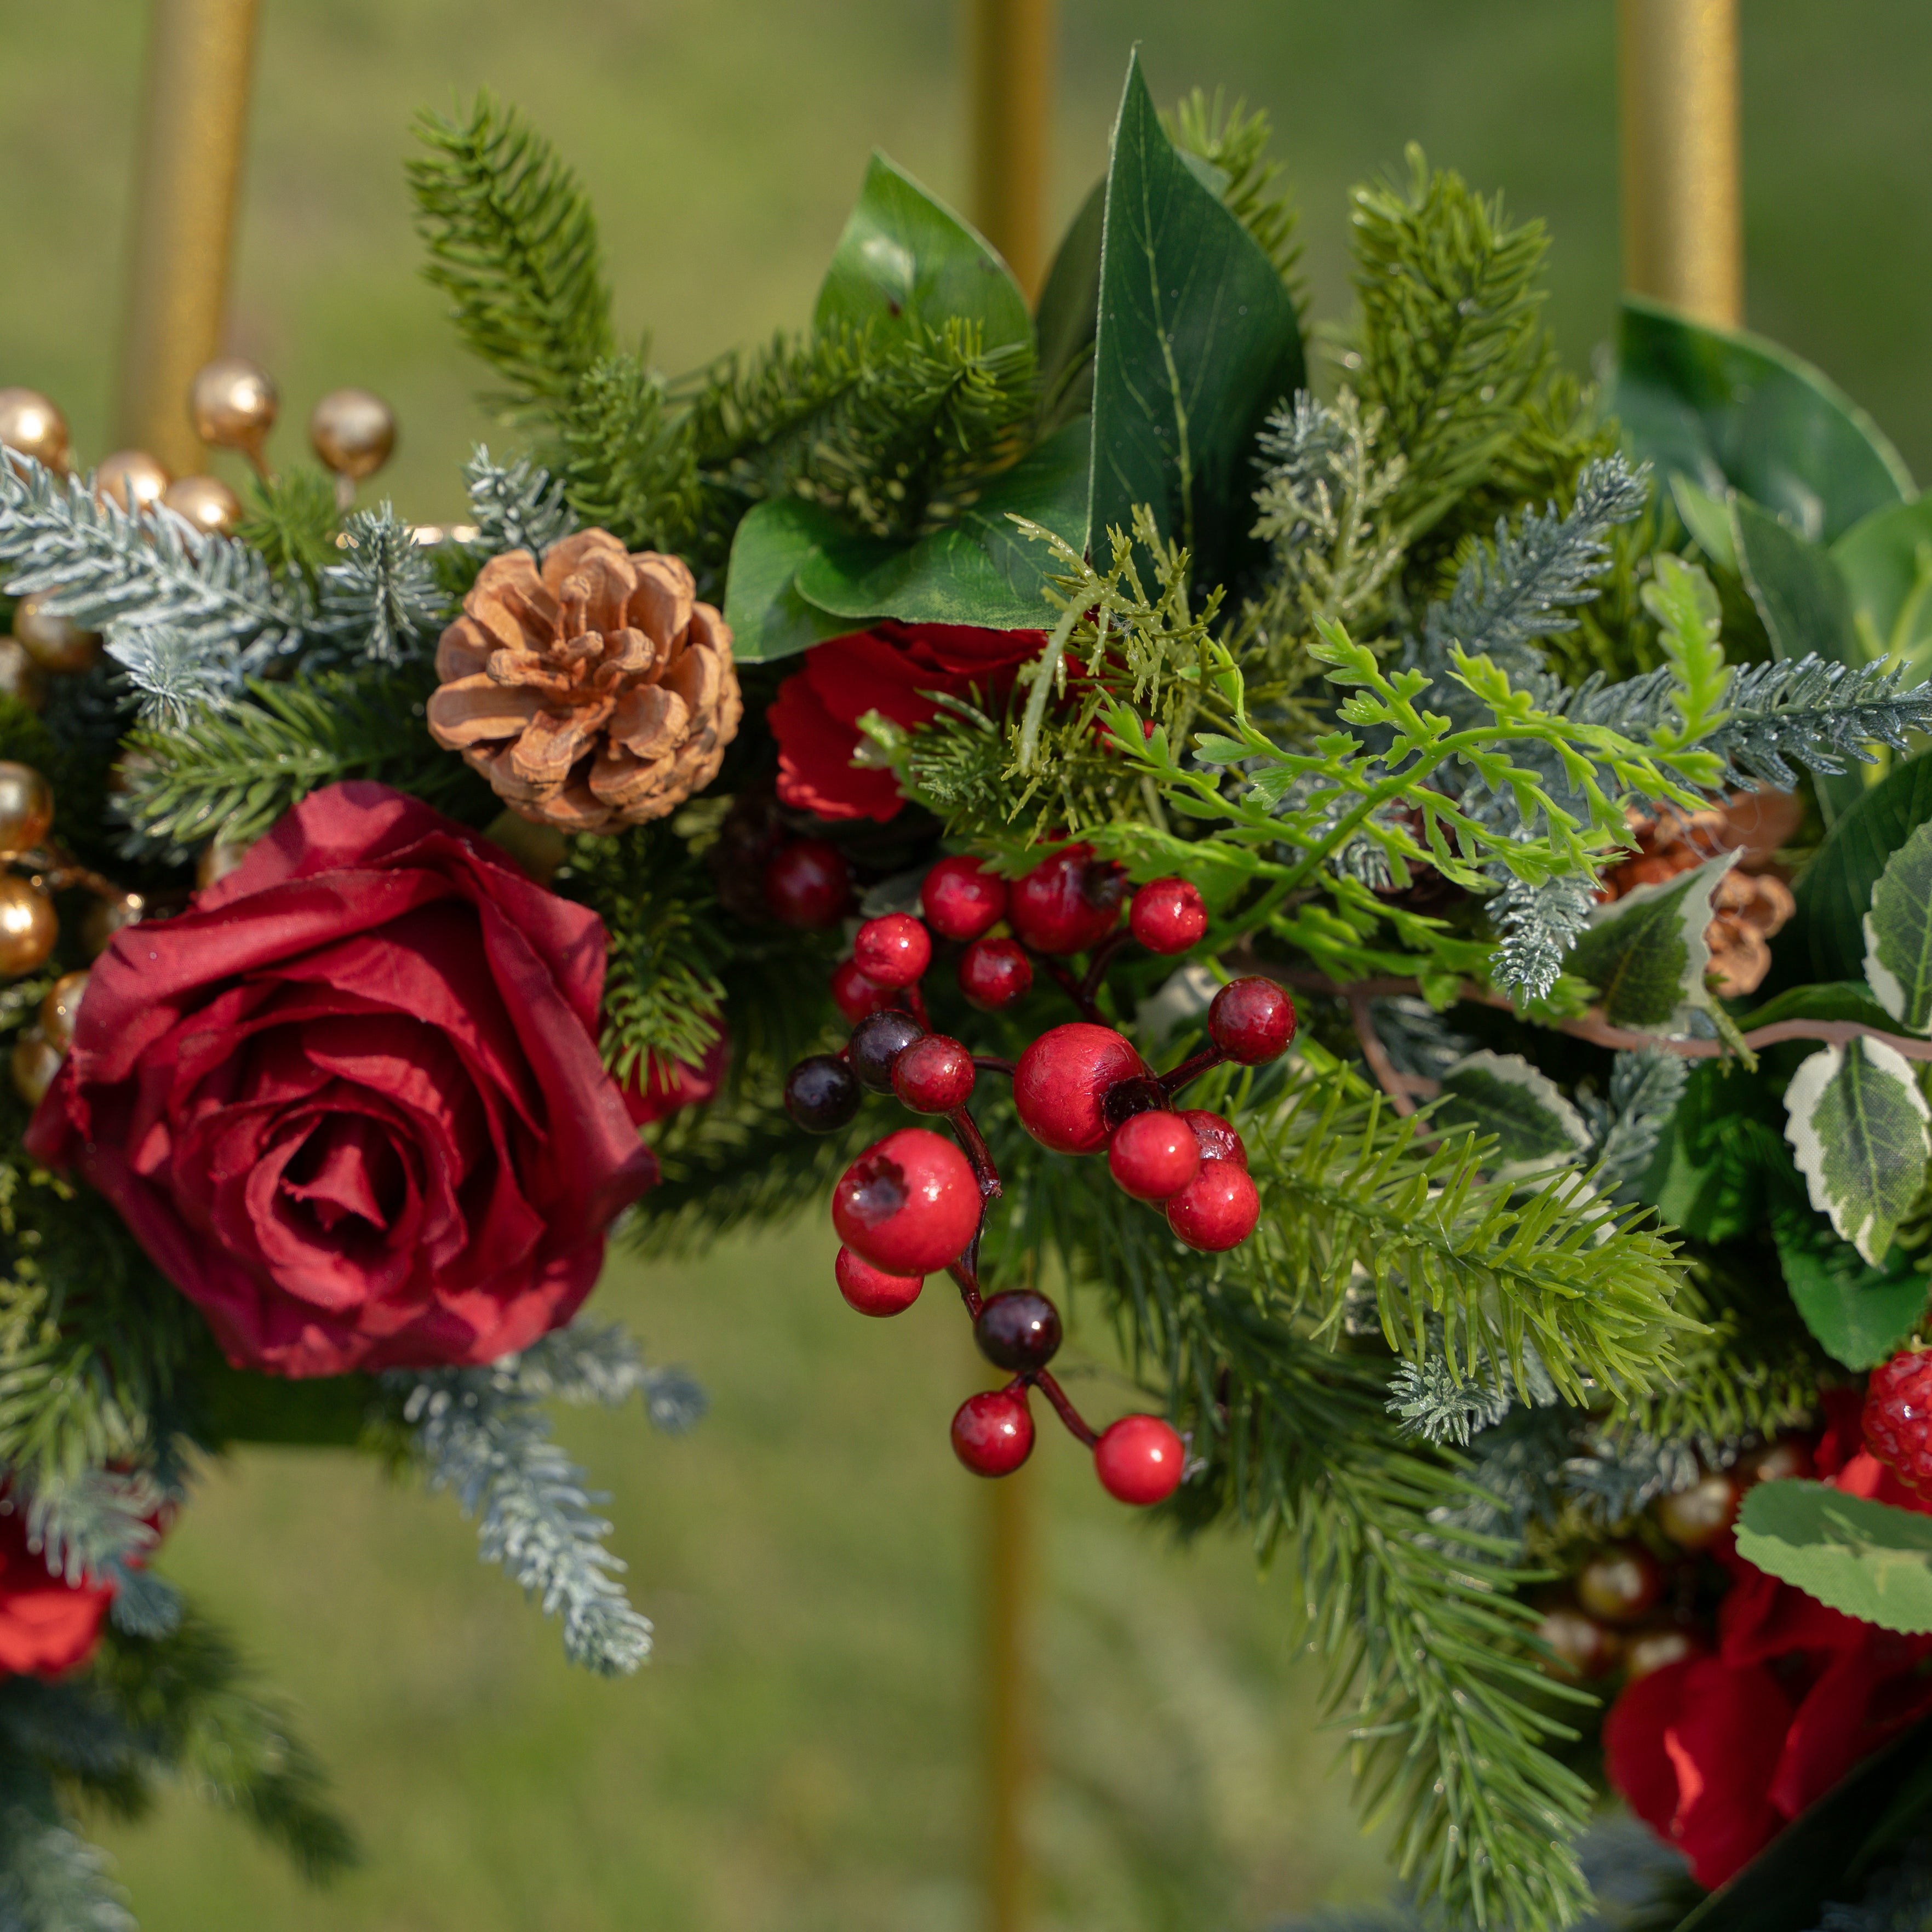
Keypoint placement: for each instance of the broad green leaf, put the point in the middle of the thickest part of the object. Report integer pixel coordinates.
(1862, 1315)
(978, 569)
(906, 258)
(1866, 1558)
(769, 619)
(1707, 518)
(1198, 340)
(1736, 411)
(1898, 934)
(1857, 1126)
(1068, 316)
(1835, 1000)
(1501, 1093)
(1806, 607)
(1724, 1163)
(1835, 893)
(1644, 953)
(1886, 559)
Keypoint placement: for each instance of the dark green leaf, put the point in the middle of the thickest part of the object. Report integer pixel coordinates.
(1866, 1558)
(1835, 1000)
(1886, 561)
(1835, 894)
(1738, 411)
(905, 258)
(1645, 954)
(1862, 1315)
(1068, 316)
(1712, 1178)
(1198, 340)
(769, 619)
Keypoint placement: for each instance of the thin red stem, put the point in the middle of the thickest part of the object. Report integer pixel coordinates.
(990, 1063)
(1103, 956)
(1192, 1068)
(1063, 1407)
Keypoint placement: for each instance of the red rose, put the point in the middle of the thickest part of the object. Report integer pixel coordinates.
(46, 1626)
(350, 1101)
(889, 669)
(656, 1088)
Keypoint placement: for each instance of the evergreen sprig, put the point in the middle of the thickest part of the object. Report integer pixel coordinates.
(382, 600)
(629, 459)
(1234, 142)
(517, 505)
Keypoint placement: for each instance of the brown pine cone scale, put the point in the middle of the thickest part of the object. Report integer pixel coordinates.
(595, 693)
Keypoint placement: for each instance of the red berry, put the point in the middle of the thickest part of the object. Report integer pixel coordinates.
(1252, 1021)
(908, 1205)
(808, 884)
(1060, 1086)
(854, 994)
(1167, 915)
(1153, 1156)
(995, 974)
(933, 1074)
(893, 951)
(876, 1044)
(960, 902)
(1217, 1138)
(1139, 1459)
(872, 1290)
(1217, 1209)
(1068, 904)
(1898, 1417)
(992, 1433)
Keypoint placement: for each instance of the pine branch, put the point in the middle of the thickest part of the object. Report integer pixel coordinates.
(588, 1362)
(98, 1529)
(1821, 714)
(382, 598)
(517, 506)
(293, 519)
(51, 1879)
(513, 242)
(631, 467)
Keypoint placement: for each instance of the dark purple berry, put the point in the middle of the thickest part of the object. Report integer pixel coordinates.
(822, 1093)
(1018, 1331)
(876, 1041)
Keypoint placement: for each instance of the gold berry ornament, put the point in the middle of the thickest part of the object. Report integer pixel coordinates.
(30, 423)
(28, 925)
(1620, 1585)
(206, 502)
(20, 677)
(132, 478)
(1581, 1646)
(56, 643)
(1656, 1647)
(353, 431)
(233, 402)
(1693, 1519)
(104, 918)
(62, 1008)
(26, 808)
(34, 1061)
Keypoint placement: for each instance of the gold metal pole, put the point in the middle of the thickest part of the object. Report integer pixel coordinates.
(190, 161)
(1683, 229)
(1010, 46)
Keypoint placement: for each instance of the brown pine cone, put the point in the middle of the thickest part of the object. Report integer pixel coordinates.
(594, 694)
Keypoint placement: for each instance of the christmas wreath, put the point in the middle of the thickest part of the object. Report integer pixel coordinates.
(1408, 890)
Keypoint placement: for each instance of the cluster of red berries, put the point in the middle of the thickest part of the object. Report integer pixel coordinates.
(915, 1203)
(1897, 1418)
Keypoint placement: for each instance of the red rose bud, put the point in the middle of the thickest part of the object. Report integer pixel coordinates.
(872, 1290)
(1140, 1459)
(854, 995)
(1217, 1210)
(909, 1205)
(807, 884)
(351, 1101)
(992, 1433)
(960, 900)
(995, 974)
(1061, 1082)
(893, 951)
(1216, 1137)
(1252, 1021)
(1168, 915)
(1069, 904)
(1153, 1155)
(934, 1076)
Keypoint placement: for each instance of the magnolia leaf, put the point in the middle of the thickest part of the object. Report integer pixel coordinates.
(1644, 953)
(1707, 518)
(1866, 1558)
(1862, 1315)
(1835, 893)
(1886, 559)
(1068, 316)
(1858, 1125)
(1501, 1093)
(1898, 934)
(769, 619)
(906, 258)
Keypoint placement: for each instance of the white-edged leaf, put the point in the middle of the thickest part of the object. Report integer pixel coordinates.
(1644, 953)
(1535, 1127)
(1898, 934)
(1859, 1126)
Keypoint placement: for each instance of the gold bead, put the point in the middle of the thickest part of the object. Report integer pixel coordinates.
(1657, 1648)
(218, 858)
(353, 432)
(26, 809)
(20, 677)
(30, 423)
(1693, 1519)
(35, 1061)
(54, 643)
(132, 478)
(62, 1008)
(233, 402)
(1583, 1647)
(1621, 1584)
(106, 917)
(206, 502)
(28, 925)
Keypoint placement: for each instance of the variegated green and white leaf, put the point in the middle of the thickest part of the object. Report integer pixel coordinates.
(1862, 1134)
(1536, 1129)
(1644, 953)
(1898, 934)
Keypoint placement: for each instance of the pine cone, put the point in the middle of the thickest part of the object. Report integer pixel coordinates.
(595, 694)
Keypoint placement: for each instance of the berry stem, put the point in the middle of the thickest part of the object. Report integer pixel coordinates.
(1062, 976)
(1103, 956)
(1192, 1068)
(991, 1062)
(966, 1272)
(916, 1000)
(1063, 1407)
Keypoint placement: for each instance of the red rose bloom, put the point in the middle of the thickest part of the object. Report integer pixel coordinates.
(1717, 1754)
(46, 1626)
(889, 669)
(350, 1101)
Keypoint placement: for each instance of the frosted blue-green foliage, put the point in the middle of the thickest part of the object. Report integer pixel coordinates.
(515, 506)
(51, 1879)
(382, 601)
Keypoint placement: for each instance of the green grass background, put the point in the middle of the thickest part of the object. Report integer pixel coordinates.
(802, 1753)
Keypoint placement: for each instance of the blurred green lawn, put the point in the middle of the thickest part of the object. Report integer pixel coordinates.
(801, 1754)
